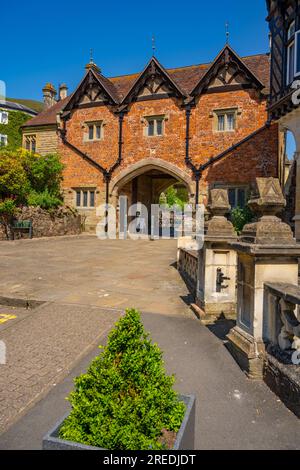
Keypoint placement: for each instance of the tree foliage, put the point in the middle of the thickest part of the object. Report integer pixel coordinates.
(44, 172)
(43, 199)
(23, 173)
(14, 181)
(125, 399)
(174, 196)
(8, 210)
(240, 217)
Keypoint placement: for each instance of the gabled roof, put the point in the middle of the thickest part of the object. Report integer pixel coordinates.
(184, 78)
(225, 57)
(153, 68)
(48, 116)
(91, 77)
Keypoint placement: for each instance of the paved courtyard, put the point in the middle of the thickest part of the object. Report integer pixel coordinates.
(83, 285)
(87, 271)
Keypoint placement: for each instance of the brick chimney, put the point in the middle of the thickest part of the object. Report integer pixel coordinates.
(63, 91)
(49, 94)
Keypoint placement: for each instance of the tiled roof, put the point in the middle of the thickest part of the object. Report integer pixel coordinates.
(13, 105)
(185, 77)
(48, 116)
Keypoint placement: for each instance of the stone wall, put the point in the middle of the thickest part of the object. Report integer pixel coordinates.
(61, 221)
(46, 139)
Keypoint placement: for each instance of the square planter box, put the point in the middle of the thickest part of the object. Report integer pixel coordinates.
(185, 439)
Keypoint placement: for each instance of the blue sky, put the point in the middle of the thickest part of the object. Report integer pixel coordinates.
(50, 41)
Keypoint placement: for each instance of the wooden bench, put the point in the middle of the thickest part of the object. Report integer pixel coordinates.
(21, 226)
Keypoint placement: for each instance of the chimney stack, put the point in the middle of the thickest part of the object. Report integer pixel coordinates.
(49, 94)
(63, 91)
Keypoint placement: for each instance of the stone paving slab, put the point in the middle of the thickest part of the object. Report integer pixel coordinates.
(42, 346)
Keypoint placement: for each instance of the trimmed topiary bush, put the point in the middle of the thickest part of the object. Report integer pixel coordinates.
(126, 400)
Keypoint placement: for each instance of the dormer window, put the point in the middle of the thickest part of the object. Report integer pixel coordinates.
(155, 126)
(94, 131)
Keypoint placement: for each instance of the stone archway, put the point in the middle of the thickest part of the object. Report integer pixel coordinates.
(143, 182)
(145, 166)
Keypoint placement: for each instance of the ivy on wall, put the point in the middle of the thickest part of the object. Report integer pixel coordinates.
(13, 128)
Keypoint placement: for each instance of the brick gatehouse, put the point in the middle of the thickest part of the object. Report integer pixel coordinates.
(200, 126)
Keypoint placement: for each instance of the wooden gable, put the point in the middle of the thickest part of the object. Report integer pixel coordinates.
(228, 70)
(153, 82)
(91, 91)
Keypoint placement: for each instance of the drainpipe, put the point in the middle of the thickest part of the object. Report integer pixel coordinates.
(107, 174)
(197, 172)
(198, 176)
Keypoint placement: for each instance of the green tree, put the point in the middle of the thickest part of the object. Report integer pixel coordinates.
(174, 196)
(14, 182)
(44, 172)
(126, 399)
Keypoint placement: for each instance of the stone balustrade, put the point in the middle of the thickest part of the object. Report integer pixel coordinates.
(282, 337)
(281, 317)
(188, 266)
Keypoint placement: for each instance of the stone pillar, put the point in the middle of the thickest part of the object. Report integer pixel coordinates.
(217, 261)
(267, 252)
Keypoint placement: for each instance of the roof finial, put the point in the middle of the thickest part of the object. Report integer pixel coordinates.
(153, 45)
(91, 64)
(227, 32)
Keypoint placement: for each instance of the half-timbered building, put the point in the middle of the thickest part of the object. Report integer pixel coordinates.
(284, 105)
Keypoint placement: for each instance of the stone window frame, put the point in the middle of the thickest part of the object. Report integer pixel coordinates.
(3, 140)
(236, 186)
(225, 111)
(30, 142)
(4, 112)
(95, 123)
(157, 117)
(88, 190)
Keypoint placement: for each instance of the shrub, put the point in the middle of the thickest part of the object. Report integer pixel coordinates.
(13, 178)
(125, 399)
(44, 172)
(7, 212)
(45, 200)
(240, 217)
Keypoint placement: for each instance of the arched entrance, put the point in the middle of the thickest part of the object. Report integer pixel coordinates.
(145, 181)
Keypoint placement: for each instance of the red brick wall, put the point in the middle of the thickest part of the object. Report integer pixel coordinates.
(242, 166)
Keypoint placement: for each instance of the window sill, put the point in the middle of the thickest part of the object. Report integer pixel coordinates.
(153, 136)
(225, 132)
(85, 208)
